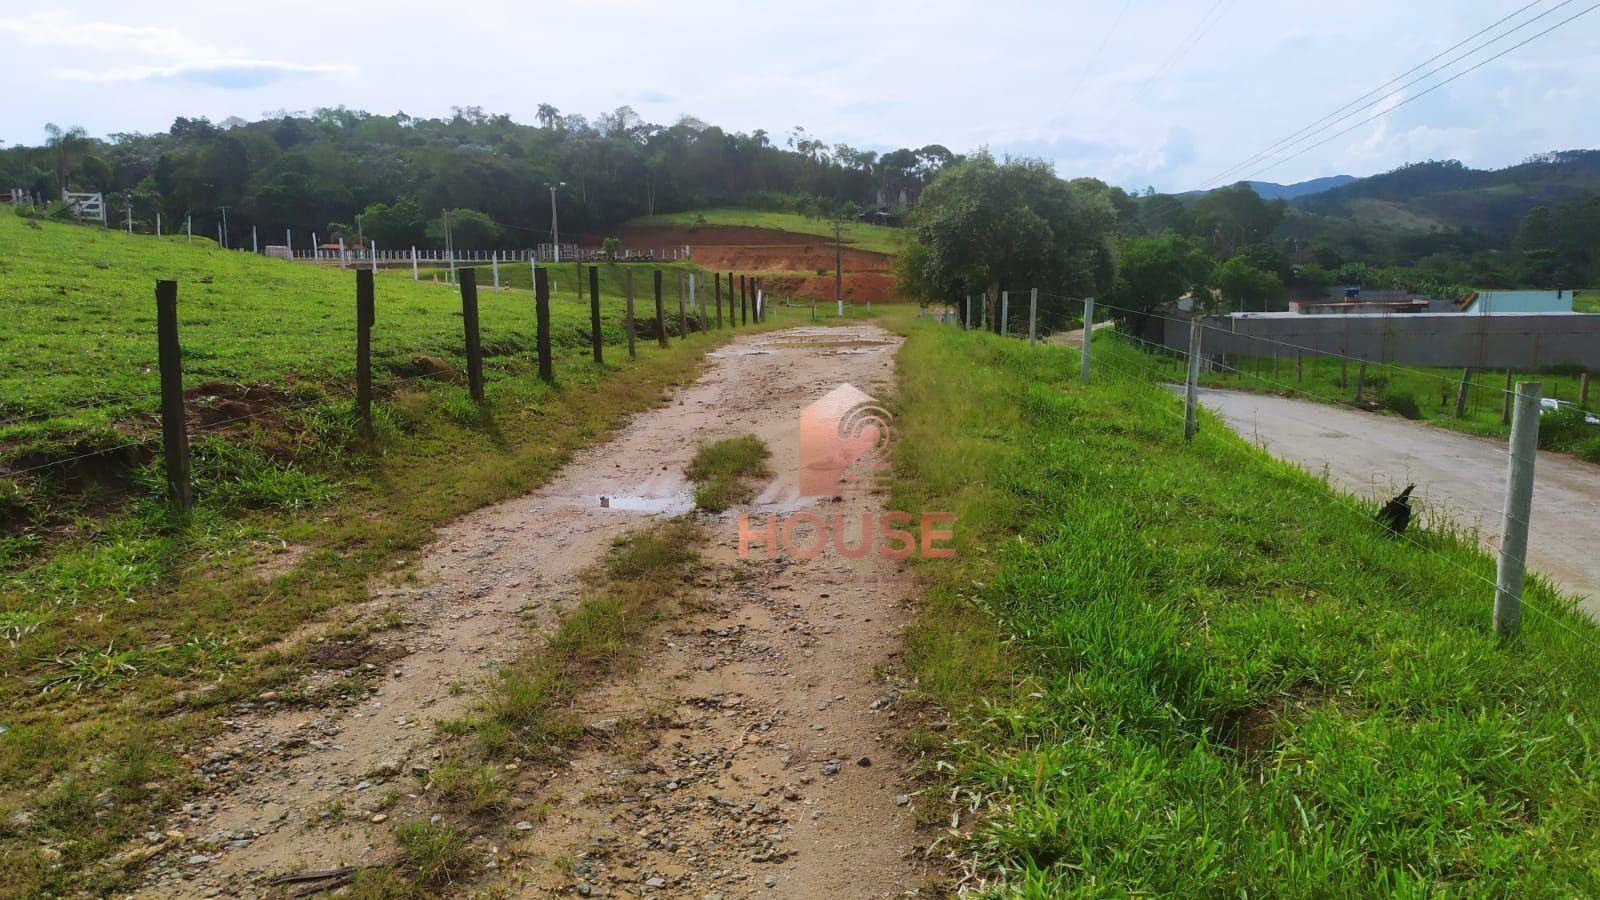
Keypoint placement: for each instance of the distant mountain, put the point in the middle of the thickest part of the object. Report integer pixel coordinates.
(1435, 195)
(1271, 191)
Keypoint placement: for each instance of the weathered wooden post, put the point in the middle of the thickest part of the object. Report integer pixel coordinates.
(365, 313)
(1583, 389)
(1361, 379)
(1033, 316)
(1005, 313)
(1191, 384)
(1508, 574)
(1505, 401)
(744, 303)
(967, 310)
(469, 322)
(594, 312)
(683, 317)
(627, 289)
(717, 276)
(661, 314)
(1299, 367)
(1461, 392)
(174, 427)
(541, 312)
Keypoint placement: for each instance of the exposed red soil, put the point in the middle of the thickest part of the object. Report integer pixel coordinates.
(866, 287)
(760, 251)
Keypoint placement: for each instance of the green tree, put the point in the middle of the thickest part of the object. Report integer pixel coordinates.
(1156, 270)
(982, 225)
(1233, 217)
(398, 224)
(1246, 287)
(469, 230)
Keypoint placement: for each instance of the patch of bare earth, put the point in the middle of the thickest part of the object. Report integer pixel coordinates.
(753, 751)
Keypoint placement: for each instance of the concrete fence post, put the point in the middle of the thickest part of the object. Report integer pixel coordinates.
(967, 310)
(1508, 575)
(1005, 313)
(1191, 384)
(494, 264)
(1088, 339)
(1033, 316)
(414, 276)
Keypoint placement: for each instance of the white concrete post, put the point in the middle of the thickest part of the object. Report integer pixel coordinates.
(158, 224)
(1191, 384)
(374, 257)
(968, 311)
(1508, 573)
(1033, 316)
(496, 265)
(533, 270)
(1005, 313)
(341, 253)
(315, 253)
(414, 262)
(188, 228)
(255, 244)
(1088, 338)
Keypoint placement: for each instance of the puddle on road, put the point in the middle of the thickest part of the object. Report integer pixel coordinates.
(672, 504)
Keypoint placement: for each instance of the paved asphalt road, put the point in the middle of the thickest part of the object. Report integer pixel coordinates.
(1457, 475)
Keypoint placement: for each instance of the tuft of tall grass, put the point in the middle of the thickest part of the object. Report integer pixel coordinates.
(722, 471)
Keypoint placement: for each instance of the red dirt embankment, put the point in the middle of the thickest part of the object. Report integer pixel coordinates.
(776, 256)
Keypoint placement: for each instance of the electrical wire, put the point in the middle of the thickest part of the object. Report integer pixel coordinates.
(1315, 125)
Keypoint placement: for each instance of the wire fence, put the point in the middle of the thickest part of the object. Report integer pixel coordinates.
(1119, 352)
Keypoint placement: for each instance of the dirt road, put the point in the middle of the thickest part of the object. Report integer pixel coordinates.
(1459, 476)
(752, 754)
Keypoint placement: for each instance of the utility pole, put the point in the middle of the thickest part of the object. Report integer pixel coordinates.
(555, 226)
(838, 267)
(224, 226)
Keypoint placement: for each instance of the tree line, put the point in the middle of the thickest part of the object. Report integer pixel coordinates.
(341, 172)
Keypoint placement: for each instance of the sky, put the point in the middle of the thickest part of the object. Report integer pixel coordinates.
(1170, 95)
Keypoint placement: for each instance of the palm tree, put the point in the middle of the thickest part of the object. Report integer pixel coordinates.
(66, 146)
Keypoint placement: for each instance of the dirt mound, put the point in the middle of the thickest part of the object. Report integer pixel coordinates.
(875, 287)
(430, 368)
(755, 249)
(215, 404)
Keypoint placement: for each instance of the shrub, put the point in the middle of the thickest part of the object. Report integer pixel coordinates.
(1401, 402)
(1567, 430)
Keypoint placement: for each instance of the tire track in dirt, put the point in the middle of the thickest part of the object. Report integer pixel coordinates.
(753, 751)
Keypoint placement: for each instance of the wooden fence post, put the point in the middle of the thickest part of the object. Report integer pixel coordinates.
(541, 313)
(1085, 355)
(1361, 379)
(594, 310)
(1461, 392)
(718, 285)
(1005, 313)
(365, 312)
(1191, 384)
(1505, 405)
(1583, 389)
(469, 321)
(174, 427)
(661, 313)
(627, 283)
(1033, 315)
(683, 317)
(744, 303)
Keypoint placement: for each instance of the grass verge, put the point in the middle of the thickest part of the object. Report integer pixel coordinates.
(722, 471)
(1188, 669)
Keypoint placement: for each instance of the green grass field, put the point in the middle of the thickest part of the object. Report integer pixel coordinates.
(129, 631)
(877, 238)
(1190, 670)
(1586, 301)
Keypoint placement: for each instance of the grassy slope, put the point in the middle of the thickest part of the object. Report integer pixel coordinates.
(1204, 673)
(878, 238)
(1586, 301)
(149, 629)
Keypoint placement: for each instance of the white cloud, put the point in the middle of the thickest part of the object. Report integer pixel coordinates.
(179, 59)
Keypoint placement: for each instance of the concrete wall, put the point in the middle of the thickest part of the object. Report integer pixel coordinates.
(1520, 341)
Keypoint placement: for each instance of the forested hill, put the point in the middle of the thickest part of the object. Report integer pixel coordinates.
(317, 172)
(1435, 195)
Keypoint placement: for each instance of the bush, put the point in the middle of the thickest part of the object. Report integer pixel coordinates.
(1399, 401)
(1567, 430)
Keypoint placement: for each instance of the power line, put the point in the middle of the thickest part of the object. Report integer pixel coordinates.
(1383, 92)
(1100, 50)
(1225, 172)
(1199, 30)
(1419, 95)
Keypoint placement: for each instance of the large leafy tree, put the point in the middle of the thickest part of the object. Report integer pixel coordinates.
(984, 225)
(1156, 270)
